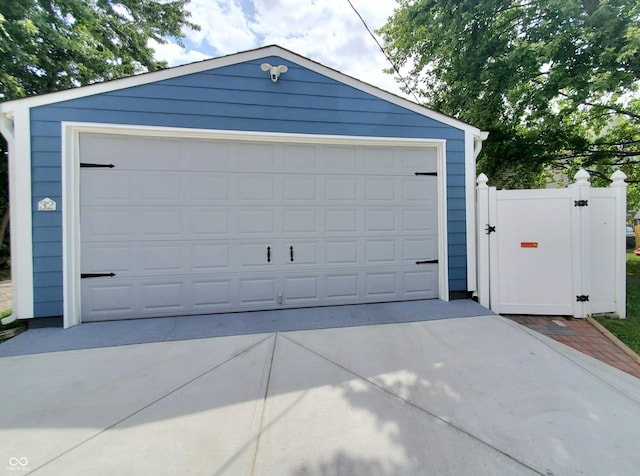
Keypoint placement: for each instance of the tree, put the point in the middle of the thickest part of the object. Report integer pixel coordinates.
(555, 82)
(50, 45)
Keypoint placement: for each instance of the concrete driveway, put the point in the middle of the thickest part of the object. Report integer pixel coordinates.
(464, 395)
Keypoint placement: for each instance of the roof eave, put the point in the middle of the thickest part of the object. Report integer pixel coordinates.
(8, 107)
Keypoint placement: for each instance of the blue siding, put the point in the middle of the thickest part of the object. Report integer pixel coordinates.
(237, 97)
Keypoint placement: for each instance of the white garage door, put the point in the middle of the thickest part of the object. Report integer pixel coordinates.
(195, 226)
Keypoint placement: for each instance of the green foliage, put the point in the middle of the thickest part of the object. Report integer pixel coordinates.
(633, 286)
(628, 330)
(555, 82)
(51, 45)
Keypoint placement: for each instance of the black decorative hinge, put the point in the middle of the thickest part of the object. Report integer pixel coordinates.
(490, 229)
(98, 275)
(432, 174)
(581, 203)
(97, 166)
(582, 298)
(431, 261)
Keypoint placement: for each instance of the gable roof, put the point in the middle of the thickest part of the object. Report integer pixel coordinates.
(7, 108)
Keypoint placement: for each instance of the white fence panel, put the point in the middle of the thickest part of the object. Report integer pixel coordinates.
(552, 251)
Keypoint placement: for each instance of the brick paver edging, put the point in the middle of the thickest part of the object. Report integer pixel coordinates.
(621, 345)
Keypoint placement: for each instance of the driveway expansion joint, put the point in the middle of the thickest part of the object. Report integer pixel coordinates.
(446, 421)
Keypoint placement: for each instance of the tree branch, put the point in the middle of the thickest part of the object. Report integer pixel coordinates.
(603, 106)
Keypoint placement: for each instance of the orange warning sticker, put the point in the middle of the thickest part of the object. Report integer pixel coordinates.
(528, 244)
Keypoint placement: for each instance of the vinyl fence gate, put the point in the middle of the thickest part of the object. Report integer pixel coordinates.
(552, 251)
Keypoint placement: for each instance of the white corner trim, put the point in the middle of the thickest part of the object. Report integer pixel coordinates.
(71, 189)
(473, 147)
(443, 233)
(71, 226)
(470, 205)
(21, 214)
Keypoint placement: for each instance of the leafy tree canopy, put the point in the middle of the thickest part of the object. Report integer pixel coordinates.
(49, 45)
(555, 82)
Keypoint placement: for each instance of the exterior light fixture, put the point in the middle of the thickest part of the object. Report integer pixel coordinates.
(274, 71)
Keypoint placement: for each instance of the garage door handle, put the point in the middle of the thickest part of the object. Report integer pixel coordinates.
(431, 261)
(291, 253)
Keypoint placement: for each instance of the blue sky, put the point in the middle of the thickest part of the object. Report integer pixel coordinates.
(326, 31)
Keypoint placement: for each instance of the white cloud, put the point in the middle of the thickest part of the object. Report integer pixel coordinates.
(326, 31)
(223, 24)
(175, 55)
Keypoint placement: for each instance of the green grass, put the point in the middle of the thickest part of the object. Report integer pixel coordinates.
(628, 330)
(17, 323)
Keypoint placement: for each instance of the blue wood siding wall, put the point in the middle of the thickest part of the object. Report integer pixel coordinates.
(238, 97)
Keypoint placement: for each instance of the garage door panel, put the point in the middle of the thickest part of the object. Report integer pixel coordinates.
(419, 159)
(302, 289)
(423, 221)
(381, 284)
(421, 189)
(160, 187)
(299, 188)
(380, 220)
(164, 297)
(163, 258)
(161, 224)
(205, 159)
(206, 223)
(343, 287)
(260, 291)
(204, 226)
(341, 220)
(378, 160)
(107, 187)
(210, 258)
(212, 294)
(420, 249)
(106, 224)
(260, 254)
(381, 251)
(260, 189)
(339, 158)
(208, 187)
(107, 257)
(421, 283)
(251, 222)
(345, 189)
(380, 189)
(297, 158)
(253, 157)
(109, 299)
(298, 253)
(341, 252)
(300, 221)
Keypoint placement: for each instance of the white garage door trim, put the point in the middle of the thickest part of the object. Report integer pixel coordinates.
(71, 188)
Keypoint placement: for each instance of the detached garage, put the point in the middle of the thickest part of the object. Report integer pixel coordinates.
(211, 188)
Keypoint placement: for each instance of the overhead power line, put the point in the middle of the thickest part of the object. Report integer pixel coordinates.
(393, 65)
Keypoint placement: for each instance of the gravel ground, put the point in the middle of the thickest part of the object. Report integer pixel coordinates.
(5, 295)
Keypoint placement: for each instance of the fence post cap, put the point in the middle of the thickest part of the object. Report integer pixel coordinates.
(618, 178)
(482, 180)
(582, 176)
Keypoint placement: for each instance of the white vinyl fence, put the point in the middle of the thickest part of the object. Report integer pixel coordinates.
(552, 251)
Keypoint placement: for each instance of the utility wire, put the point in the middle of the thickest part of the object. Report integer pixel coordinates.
(393, 65)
